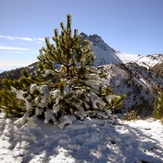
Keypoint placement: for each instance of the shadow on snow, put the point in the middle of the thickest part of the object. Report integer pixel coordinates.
(84, 141)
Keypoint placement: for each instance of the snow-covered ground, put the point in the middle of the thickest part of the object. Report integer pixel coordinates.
(89, 141)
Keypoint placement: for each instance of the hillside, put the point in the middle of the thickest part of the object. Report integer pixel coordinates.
(140, 85)
(158, 69)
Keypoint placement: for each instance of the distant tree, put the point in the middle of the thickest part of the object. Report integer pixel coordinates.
(66, 85)
(158, 108)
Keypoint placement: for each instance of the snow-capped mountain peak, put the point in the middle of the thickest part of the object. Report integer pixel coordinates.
(106, 55)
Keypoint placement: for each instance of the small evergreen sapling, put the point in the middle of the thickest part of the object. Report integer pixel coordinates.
(66, 85)
(158, 108)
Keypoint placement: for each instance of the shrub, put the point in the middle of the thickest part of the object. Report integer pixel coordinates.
(158, 108)
(131, 115)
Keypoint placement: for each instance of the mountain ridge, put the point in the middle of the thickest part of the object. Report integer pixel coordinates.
(106, 54)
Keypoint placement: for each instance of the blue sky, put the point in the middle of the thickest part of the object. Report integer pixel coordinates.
(130, 26)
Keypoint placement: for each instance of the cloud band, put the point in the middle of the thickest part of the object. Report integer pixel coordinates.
(22, 38)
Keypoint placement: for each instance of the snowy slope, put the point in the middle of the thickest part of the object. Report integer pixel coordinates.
(106, 55)
(148, 61)
(89, 141)
(139, 84)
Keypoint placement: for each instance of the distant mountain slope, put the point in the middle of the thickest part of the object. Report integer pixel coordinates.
(140, 85)
(158, 69)
(106, 55)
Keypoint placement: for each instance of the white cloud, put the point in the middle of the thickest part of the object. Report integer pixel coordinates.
(22, 38)
(39, 42)
(8, 65)
(12, 48)
(14, 63)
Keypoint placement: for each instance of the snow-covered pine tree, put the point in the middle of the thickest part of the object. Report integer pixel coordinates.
(70, 87)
